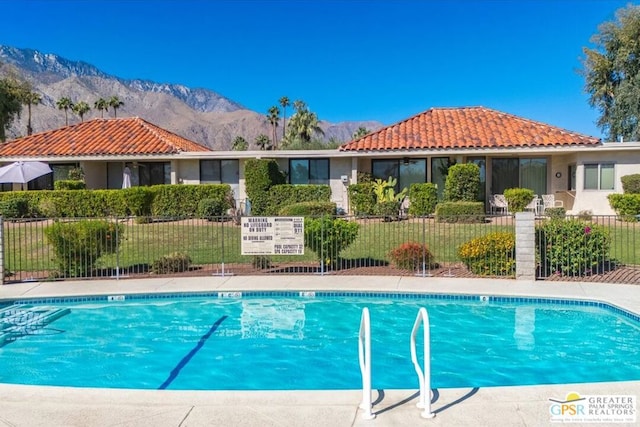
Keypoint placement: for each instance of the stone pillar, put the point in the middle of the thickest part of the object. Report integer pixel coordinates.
(525, 246)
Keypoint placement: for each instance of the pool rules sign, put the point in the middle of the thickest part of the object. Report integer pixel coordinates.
(268, 235)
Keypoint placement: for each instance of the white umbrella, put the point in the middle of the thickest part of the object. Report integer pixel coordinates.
(126, 177)
(23, 172)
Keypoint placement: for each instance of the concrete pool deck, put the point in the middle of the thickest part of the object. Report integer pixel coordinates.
(492, 406)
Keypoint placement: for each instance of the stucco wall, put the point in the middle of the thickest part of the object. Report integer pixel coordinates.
(95, 174)
(188, 171)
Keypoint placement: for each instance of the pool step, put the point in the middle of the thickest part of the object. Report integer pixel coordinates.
(18, 320)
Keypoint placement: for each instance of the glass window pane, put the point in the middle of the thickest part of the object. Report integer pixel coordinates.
(383, 169)
(606, 177)
(229, 171)
(439, 171)
(533, 175)
(210, 171)
(482, 164)
(572, 177)
(414, 171)
(299, 171)
(319, 171)
(590, 177)
(504, 174)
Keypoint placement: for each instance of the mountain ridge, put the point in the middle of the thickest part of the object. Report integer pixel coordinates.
(199, 114)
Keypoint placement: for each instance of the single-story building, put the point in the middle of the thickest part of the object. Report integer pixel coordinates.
(578, 170)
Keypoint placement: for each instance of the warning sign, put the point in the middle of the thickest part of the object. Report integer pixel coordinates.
(263, 235)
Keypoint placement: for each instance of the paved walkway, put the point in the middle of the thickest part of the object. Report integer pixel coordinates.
(494, 406)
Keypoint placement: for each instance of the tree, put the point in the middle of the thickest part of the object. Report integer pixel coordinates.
(274, 118)
(360, 132)
(612, 75)
(115, 103)
(284, 103)
(65, 104)
(101, 105)
(240, 144)
(29, 98)
(303, 125)
(81, 108)
(10, 104)
(263, 142)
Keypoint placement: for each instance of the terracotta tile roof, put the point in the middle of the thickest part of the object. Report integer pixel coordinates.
(119, 136)
(467, 127)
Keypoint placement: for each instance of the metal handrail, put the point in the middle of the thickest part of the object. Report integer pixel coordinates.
(364, 357)
(424, 377)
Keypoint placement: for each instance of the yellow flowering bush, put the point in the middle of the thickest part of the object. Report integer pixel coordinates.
(493, 254)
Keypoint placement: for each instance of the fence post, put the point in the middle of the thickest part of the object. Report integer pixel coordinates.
(525, 246)
(1, 250)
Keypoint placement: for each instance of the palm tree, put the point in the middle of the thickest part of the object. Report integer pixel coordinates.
(360, 132)
(274, 118)
(263, 142)
(81, 108)
(101, 105)
(284, 103)
(65, 104)
(240, 144)
(30, 98)
(115, 103)
(303, 124)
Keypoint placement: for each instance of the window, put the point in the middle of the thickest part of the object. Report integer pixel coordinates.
(599, 176)
(219, 171)
(528, 173)
(482, 165)
(439, 171)
(155, 173)
(45, 182)
(309, 171)
(407, 171)
(572, 177)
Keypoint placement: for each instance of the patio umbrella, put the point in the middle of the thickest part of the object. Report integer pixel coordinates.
(126, 177)
(23, 172)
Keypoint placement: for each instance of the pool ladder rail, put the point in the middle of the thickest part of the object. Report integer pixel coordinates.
(20, 319)
(424, 375)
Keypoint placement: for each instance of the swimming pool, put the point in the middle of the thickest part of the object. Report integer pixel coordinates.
(309, 340)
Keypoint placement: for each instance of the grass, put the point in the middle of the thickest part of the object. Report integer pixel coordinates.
(26, 248)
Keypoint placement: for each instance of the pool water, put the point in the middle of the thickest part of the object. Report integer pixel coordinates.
(295, 343)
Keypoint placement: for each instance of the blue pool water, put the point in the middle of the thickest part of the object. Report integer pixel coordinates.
(276, 342)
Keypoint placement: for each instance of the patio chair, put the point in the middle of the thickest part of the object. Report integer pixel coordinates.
(498, 203)
(549, 201)
(534, 206)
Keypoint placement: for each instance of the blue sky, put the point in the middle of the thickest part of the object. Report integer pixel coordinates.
(348, 60)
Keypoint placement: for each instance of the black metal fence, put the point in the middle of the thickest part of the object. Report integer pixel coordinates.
(143, 247)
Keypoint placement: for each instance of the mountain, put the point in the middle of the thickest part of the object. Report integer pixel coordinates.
(199, 114)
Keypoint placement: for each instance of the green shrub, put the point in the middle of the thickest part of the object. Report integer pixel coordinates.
(17, 207)
(137, 200)
(69, 184)
(260, 176)
(178, 201)
(411, 256)
(423, 199)
(328, 236)
(362, 199)
(76, 174)
(572, 247)
(389, 210)
(211, 208)
(518, 198)
(261, 262)
(308, 209)
(555, 213)
(463, 212)
(176, 262)
(631, 183)
(626, 206)
(287, 194)
(491, 255)
(78, 245)
(462, 183)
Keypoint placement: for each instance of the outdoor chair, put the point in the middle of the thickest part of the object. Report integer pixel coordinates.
(498, 203)
(549, 201)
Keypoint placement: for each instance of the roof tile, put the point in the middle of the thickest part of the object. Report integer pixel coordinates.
(118, 136)
(466, 127)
